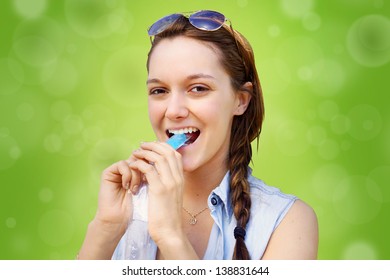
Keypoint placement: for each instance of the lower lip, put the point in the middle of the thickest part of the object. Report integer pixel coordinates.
(188, 145)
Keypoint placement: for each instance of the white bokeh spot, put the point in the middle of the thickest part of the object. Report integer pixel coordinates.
(316, 135)
(357, 199)
(291, 139)
(359, 250)
(45, 195)
(326, 178)
(381, 176)
(329, 149)
(297, 8)
(56, 227)
(11, 76)
(366, 122)
(30, 8)
(10, 222)
(328, 109)
(368, 40)
(9, 150)
(311, 21)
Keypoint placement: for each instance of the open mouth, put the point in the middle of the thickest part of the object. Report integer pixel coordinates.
(192, 134)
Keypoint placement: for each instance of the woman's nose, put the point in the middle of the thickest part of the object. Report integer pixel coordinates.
(176, 106)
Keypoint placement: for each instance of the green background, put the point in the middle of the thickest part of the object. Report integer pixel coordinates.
(73, 101)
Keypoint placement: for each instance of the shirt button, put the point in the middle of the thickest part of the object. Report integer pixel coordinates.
(214, 201)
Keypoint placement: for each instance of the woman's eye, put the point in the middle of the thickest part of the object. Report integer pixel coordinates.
(157, 91)
(199, 89)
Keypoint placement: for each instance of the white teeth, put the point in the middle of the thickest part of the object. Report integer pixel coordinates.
(183, 130)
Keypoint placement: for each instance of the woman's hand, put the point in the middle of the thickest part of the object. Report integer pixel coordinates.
(114, 210)
(161, 166)
(163, 170)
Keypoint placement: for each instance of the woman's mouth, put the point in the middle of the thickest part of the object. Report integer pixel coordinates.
(192, 133)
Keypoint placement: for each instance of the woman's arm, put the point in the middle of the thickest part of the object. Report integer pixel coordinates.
(296, 237)
(100, 241)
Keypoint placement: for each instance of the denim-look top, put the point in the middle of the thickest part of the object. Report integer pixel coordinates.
(269, 206)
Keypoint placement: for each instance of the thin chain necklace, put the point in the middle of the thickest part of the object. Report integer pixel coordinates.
(193, 220)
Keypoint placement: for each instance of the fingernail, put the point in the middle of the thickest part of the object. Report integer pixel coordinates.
(134, 190)
(127, 186)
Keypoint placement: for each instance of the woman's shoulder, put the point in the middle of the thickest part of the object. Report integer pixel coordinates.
(294, 222)
(296, 237)
(264, 193)
(269, 201)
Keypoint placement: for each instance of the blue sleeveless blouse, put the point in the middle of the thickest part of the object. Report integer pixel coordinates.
(269, 206)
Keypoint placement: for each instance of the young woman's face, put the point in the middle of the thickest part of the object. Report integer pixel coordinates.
(190, 91)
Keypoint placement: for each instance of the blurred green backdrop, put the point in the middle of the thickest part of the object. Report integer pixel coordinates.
(73, 101)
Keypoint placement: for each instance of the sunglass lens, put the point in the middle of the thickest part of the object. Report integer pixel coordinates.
(160, 25)
(207, 20)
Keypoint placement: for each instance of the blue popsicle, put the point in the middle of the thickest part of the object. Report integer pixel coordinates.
(177, 140)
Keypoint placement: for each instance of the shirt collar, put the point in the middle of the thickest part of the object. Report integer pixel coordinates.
(223, 193)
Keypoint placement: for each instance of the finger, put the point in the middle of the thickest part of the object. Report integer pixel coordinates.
(159, 184)
(166, 167)
(125, 172)
(166, 151)
(158, 147)
(136, 176)
(115, 172)
(160, 162)
(149, 172)
(136, 181)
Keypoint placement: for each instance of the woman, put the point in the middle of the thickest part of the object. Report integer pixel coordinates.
(203, 201)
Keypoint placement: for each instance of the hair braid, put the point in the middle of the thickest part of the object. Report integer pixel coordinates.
(240, 155)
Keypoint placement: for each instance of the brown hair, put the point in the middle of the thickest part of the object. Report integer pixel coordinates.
(237, 58)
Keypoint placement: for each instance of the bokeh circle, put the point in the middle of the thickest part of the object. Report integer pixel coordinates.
(357, 199)
(56, 227)
(368, 40)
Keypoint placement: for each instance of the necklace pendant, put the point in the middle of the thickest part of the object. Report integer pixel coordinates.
(193, 221)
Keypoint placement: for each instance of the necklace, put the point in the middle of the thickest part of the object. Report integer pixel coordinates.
(193, 220)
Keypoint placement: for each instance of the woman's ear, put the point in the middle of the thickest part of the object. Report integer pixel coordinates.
(244, 96)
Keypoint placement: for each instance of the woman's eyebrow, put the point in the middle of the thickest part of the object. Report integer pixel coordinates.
(200, 75)
(190, 77)
(153, 81)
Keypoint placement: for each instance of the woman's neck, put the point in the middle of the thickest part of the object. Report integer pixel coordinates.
(199, 184)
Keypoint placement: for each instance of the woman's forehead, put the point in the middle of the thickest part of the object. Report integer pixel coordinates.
(185, 51)
(184, 47)
(184, 55)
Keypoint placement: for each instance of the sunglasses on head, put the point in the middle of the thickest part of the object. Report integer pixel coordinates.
(203, 20)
